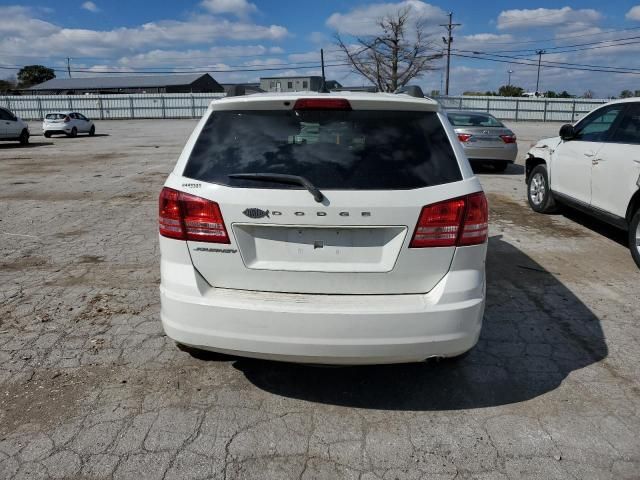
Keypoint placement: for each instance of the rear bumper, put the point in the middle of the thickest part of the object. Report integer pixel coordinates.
(328, 329)
(56, 129)
(508, 152)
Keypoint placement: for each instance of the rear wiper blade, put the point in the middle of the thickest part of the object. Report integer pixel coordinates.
(282, 178)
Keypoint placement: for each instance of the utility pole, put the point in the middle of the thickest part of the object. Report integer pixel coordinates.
(509, 72)
(540, 53)
(449, 26)
(322, 63)
(69, 66)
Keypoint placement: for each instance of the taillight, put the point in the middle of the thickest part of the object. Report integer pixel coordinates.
(67, 119)
(508, 138)
(464, 137)
(457, 222)
(187, 217)
(322, 104)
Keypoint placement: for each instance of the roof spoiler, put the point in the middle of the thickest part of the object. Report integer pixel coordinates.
(411, 90)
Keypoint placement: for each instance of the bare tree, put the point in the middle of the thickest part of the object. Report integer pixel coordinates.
(393, 57)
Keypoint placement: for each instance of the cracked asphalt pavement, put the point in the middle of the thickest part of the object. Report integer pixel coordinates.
(91, 388)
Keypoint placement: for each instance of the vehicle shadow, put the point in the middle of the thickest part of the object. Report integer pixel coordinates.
(536, 332)
(512, 169)
(16, 145)
(602, 228)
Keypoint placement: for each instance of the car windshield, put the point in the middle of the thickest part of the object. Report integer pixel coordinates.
(473, 120)
(366, 150)
(55, 116)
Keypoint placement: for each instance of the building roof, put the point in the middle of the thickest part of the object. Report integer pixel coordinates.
(138, 81)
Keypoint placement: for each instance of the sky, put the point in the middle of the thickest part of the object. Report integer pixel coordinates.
(242, 40)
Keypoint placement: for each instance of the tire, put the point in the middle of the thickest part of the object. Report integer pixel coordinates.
(500, 166)
(92, 131)
(74, 132)
(47, 134)
(539, 193)
(634, 237)
(24, 137)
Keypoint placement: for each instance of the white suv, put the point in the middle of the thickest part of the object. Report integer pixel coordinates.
(342, 228)
(593, 166)
(13, 128)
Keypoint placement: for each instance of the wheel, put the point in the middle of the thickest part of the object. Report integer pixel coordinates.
(24, 137)
(539, 194)
(74, 132)
(47, 134)
(500, 166)
(92, 131)
(634, 237)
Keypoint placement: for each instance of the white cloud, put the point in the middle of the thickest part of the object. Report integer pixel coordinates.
(634, 13)
(546, 17)
(240, 8)
(91, 7)
(364, 20)
(22, 33)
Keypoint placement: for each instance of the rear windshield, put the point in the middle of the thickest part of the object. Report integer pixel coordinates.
(55, 116)
(473, 120)
(366, 150)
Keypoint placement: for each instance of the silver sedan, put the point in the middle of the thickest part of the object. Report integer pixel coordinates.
(485, 139)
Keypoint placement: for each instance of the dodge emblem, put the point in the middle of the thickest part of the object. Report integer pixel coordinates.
(256, 213)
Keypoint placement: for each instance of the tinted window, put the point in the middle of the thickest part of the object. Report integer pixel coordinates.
(5, 115)
(596, 127)
(366, 150)
(55, 116)
(629, 129)
(473, 120)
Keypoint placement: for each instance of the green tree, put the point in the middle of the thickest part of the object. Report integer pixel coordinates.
(565, 94)
(510, 91)
(33, 75)
(626, 94)
(6, 85)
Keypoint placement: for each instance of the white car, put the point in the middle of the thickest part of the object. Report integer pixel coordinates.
(68, 123)
(13, 128)
(341, 228)
(593, 166)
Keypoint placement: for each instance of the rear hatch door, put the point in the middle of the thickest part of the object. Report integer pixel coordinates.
(376, 170)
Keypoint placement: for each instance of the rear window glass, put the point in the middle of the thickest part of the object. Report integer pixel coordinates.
(366, 150)
(55, 116)
(473, 120)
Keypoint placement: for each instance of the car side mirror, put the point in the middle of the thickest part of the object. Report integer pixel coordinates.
(567, 132)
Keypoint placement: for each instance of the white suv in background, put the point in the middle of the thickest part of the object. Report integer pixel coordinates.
(13, 128)
(593, 166)
(342, 228)
(68, 123)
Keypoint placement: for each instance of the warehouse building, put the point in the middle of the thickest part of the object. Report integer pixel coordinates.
(183, 83)
(295, 84)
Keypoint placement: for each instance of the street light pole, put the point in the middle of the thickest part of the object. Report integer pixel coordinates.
(509, 72)
(540, 53)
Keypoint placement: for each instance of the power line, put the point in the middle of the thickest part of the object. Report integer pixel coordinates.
(605, 70)
(562, 37)
(600, 42)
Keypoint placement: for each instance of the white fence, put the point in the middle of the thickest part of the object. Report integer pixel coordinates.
(112, 107)
(525, 109)
(193, 105)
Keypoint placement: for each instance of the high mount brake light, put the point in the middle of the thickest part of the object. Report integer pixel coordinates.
(457, 222)
(322, 104)
(187, 217)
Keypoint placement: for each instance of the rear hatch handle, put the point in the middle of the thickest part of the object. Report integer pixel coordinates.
(282, 178)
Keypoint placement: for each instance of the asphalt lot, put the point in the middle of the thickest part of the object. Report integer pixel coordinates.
(91, 388)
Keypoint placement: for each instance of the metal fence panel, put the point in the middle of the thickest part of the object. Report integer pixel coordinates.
(193, 105)
(524, 109)
(112, 107)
